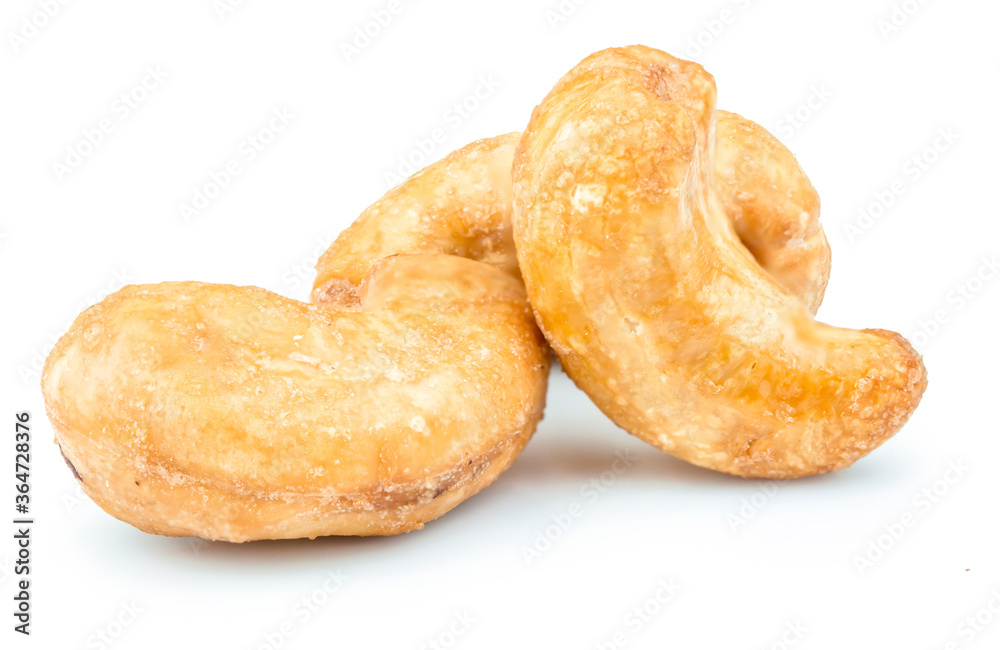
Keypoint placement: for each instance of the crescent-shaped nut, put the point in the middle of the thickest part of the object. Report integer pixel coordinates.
(232, 413)
(653, 305)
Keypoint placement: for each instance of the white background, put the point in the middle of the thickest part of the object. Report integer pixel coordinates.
(747, 574)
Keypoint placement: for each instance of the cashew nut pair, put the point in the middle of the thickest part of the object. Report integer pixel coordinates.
(672, 255)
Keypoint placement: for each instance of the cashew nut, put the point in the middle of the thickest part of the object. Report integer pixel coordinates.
(232, 413)
(655, 308)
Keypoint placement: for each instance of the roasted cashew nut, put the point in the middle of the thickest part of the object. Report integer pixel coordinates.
(655, 307)
(235, 414)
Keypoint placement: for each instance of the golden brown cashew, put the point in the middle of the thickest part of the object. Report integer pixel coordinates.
(654, 307)
(462, 205)
(232, 413)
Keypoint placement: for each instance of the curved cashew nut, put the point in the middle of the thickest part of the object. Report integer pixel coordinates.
(232, 413)
(652, 304)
